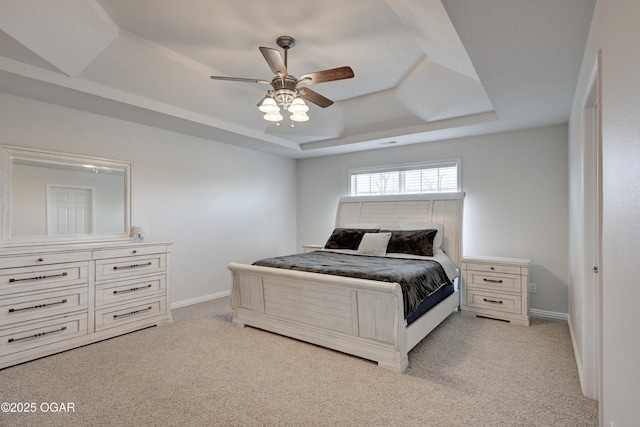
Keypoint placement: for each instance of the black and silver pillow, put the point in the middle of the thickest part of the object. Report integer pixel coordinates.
(347, 238)
(414, 242)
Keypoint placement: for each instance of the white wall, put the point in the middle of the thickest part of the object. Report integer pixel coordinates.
(615, 32)
(216, 202)
(515, 206)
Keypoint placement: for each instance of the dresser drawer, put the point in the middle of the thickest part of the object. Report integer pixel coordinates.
(33, 279)
(46, 332)
(495, 302)
(126, 252)
(111, 317)
(114, 292)
(43, 259)
(39, 305)
(494, 268)
(114, 268)
(499, 282)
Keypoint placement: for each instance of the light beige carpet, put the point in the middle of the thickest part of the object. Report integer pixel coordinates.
(203, 371)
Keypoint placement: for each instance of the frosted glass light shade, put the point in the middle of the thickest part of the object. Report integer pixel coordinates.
(298, 106)
(273, 117)
(269, 106)
(299, 117)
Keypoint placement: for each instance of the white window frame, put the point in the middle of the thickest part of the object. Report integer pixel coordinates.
(409, 167)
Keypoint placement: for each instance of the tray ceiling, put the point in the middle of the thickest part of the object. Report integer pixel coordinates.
(424, 69)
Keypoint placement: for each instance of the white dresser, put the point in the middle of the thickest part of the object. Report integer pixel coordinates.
(496, 287)
(57, 297)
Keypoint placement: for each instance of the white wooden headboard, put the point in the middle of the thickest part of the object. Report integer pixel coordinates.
(388, 212)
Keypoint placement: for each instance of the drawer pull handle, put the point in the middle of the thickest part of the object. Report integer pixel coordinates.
(41, 334)
(13, 310)
(134, 251)
(115, 316)
(122, 267)
(131, 289)
(492, 280)
(38, 277)
(40, 259)
(492, 301)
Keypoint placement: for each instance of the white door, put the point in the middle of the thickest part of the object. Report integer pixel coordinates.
(592, 359)
(69, 210)
(597, 228)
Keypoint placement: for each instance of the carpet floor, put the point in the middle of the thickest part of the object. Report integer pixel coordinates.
(201, 370)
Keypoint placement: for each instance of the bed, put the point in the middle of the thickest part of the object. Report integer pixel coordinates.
(363, 317)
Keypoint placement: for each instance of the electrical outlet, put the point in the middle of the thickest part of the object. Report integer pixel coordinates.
(533, 288)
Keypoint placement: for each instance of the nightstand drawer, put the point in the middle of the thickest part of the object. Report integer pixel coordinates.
(493, 268)
(499, 282)
(494, 301)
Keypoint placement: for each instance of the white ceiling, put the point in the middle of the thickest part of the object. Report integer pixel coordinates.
(425, 70)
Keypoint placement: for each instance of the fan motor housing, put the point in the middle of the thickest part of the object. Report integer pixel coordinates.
(286, 82)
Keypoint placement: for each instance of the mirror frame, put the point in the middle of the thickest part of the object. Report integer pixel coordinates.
(9, 153)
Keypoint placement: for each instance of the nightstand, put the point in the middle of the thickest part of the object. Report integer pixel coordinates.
(496, 287)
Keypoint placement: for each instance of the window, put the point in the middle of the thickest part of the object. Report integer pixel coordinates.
(434, 177)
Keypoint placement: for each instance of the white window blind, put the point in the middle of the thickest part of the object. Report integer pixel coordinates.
(433, 177)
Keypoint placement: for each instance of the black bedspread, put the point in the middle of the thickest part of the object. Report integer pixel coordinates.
(417, 278)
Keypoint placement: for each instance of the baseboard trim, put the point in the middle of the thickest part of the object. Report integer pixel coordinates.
(544, 314)
(552, 315)
(200, 299)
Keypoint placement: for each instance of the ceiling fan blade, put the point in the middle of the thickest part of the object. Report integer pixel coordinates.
(274, 59)
(315, 97)
(339, 73)
(240, 79)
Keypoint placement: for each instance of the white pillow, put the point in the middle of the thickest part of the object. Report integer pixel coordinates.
(437, 241)
(374, 243)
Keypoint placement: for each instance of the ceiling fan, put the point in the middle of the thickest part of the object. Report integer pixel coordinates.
(285, 91)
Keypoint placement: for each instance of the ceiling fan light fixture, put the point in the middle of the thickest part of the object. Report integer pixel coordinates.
(298, 107)
(269, 106)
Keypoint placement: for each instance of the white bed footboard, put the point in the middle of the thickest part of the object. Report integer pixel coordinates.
(360, 317)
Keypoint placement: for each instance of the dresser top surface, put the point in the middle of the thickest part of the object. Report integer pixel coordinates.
(8, 251)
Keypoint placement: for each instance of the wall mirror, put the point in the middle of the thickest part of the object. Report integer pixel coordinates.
(50, 197)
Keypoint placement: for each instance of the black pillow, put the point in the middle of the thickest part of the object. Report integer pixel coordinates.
(347, 238)
(415, 242)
